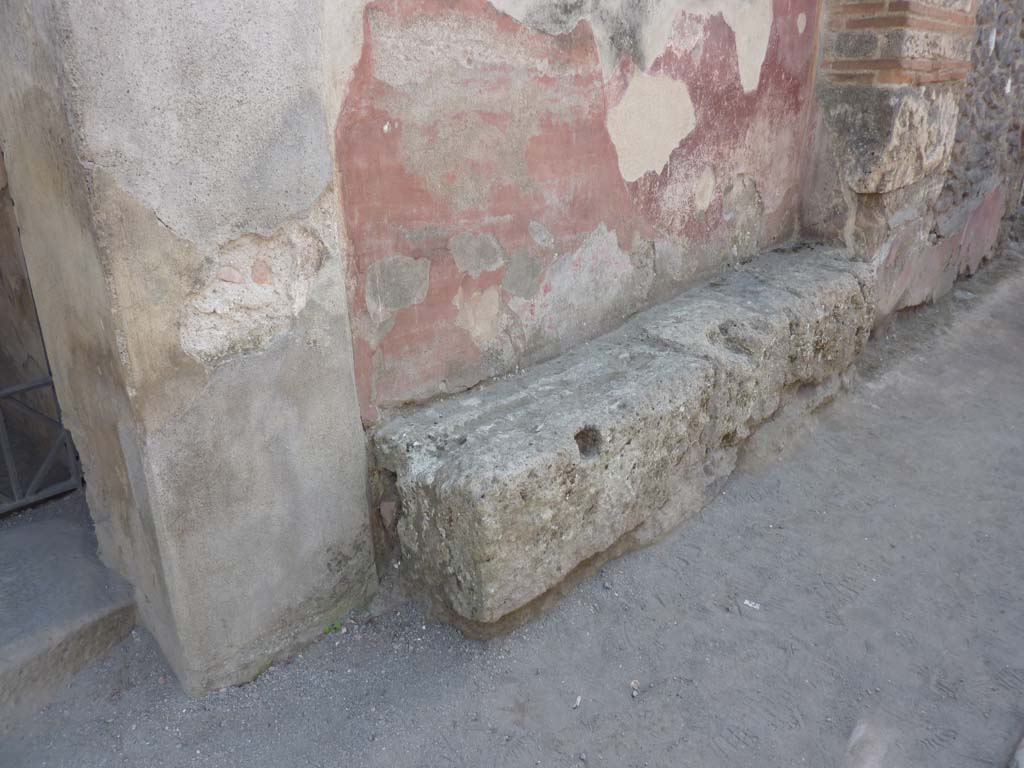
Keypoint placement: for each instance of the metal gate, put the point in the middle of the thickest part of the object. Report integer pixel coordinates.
(34, 467)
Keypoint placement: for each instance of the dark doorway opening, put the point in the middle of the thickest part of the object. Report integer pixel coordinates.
(37, 456)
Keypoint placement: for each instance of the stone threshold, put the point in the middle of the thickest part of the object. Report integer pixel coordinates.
(60, 607)
(505, 491)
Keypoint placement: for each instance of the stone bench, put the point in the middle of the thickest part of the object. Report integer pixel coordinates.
(504, 490)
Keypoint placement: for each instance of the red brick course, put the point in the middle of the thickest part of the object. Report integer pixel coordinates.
(885, 16)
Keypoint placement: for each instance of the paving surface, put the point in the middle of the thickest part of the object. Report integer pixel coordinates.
(59, 606)
(868, 582)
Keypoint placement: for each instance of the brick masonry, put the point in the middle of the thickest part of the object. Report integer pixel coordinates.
(897, 42)
(982, 183)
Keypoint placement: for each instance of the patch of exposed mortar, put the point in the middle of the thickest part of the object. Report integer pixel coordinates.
(253, 289)
(589, 290)
(523, 276)
(743, 211)
(480, 314)
(652, 117)
(494, 328)
(477, 253)
(541, 235)
(669, 260)
(624, 28)
(704, 192)
(639, 30)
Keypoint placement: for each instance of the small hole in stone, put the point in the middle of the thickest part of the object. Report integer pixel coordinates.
(588, 440)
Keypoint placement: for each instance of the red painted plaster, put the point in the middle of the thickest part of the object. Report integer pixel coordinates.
(911, 274)
(982, 229)
(487, 140)
(758, 134)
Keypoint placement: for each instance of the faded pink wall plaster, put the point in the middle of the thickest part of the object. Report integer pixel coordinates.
(490, 223)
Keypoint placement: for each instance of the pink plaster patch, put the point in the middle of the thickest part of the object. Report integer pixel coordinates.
(463, 126)
(230, 275)
(261, 272)
(982, 229)
(516, 135)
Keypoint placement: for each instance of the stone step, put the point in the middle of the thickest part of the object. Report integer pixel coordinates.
(60, 607)
(504, 490)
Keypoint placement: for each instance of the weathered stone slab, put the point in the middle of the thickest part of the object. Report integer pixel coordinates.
(505, 489)
(60, 607)
(888, 138)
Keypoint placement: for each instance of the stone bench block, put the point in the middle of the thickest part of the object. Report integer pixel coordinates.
(505, 489)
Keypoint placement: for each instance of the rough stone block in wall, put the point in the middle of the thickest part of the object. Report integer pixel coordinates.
(507, 488)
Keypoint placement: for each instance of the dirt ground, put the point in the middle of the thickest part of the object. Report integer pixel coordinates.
(867, 583)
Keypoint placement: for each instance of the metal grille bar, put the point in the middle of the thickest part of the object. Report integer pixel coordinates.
(60, 451)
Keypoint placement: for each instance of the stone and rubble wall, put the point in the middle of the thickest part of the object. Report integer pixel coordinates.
(918, 141)
(989, 143)
(984, 179)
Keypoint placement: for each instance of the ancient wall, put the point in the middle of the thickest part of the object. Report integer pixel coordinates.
(22, 357)
(176, 193)
(918, 138)
(519, 176)
(208, 187)
(254, 221)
